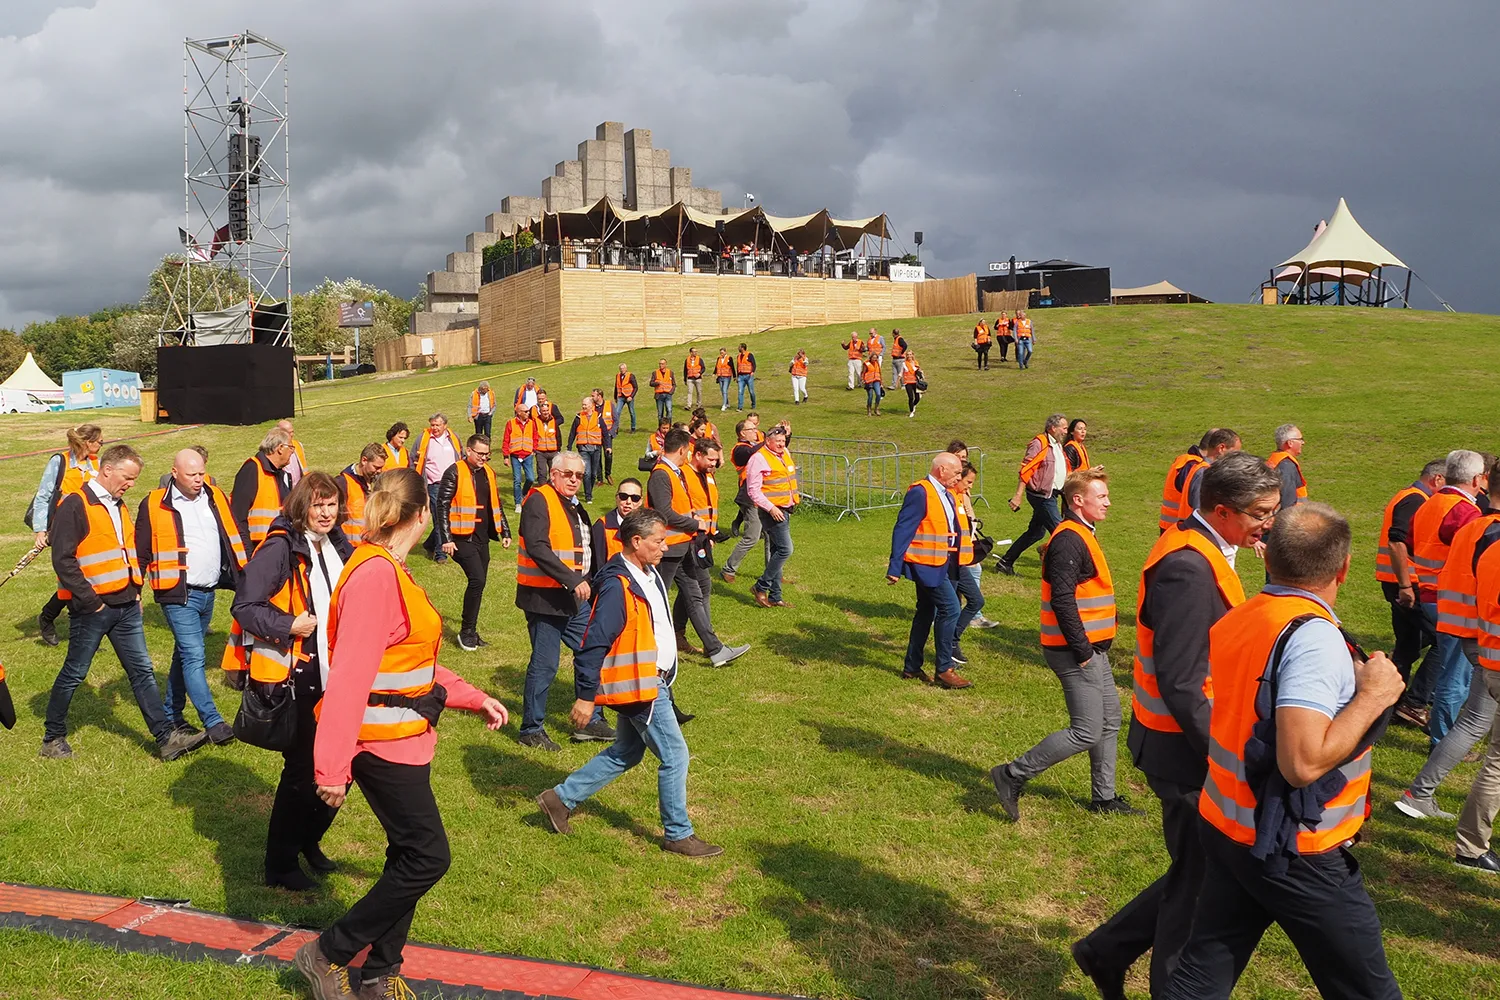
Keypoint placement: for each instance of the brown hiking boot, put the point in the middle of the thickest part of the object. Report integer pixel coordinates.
(692, 847)
(555, 812)
(391, 987)
(952, 681)
(328, 980)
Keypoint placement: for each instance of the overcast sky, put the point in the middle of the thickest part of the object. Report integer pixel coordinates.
(1193, 141)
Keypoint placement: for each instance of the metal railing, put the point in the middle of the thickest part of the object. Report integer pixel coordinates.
(873, 481)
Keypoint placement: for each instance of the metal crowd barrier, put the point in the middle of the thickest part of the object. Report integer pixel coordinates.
(873, 481)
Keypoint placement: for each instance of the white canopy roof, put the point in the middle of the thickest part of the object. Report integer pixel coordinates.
(1343, 243)
(30, 377)
(1160, 288)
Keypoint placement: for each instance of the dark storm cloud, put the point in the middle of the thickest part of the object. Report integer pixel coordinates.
(1198, 142)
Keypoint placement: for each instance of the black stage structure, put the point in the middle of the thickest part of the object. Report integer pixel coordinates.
(226, 383)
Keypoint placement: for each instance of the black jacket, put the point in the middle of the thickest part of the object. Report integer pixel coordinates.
(246, 481)
(229, 573)
(68, 527)
(274, 562)
(609, 520)
(659, 499)
(538, 541)
(1066, 564)
(605, 625)
(448, 485)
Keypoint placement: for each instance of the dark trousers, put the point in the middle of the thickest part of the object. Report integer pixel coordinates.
(1413, 633)
(53, 608)
(936, 614)
(483, 422)
(472, 553)
(549, 634)
(982, 355)
(298, 817)
(1004, 345)
(544, 465)
(1319, 901)
(609, 464)
(416, 857)
(1044, 517)
(127, 634)
(913, 397)
(433, 543)
(693, 586)
(1160, 917)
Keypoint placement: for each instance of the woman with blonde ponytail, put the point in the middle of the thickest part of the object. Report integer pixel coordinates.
(376, 728)
(66, 472)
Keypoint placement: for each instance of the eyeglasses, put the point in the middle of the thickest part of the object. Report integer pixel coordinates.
(632, 497)
(483, 456)
(569, 474)
(1259, 518)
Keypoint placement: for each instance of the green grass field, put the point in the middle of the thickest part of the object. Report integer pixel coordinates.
(866, 856)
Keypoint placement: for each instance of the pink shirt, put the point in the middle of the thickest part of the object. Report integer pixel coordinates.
(440, 455)
(755, 474)
(371, 597)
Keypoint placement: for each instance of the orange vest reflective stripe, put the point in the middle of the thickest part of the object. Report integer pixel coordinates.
(856, 347)
(623, 385)
(108, 565)
(426, 439)
(898, 348)
(1083, 456)
(694, 366)
(1185, 507)
(981, 333)
(547, 431)
(168, 565)
(408, 668)
(1487, 586)
(779, 484)
(355, 496)
(909, 373)
(396, 458)
(522, 436)
(1457, 603)
(1030, 466)
(74, 475)
(681, 502)
(265, 506)
(799, 366)
(723, 366)
(1172, 494)
(1385, 569)
(1023, 329)
(933, 543)
(965, 533)
(590, 429)
(875, 344)
(1146, 702)
(630, 674)
(1275, 459)
(463, 514)
(1428, 551)
(742, 363)
(1241, 649)
(560, 538)
(1095, 596)
(664, 381)
(871, 374)
(474, 398)
(607, 415)
(266, 661)
(703, 494)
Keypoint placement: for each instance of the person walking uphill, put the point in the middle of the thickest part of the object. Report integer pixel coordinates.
(95, 558)
(1472, 846)
(470, 504)
(1041, 478)
(629, 662)
(1286, 460)
(1077, 629)
(981, 346)
(663, 385)
(1397, 576)
(66, 472)
(376, 729)
(925, 549)
(1296, 708)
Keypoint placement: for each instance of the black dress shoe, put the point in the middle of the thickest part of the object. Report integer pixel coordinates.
(1109, 982)
(683, 718)
(1119, 805)
(295, 880)
(1008, 790)
(318, 861)
(48, 630)
(1486, 862)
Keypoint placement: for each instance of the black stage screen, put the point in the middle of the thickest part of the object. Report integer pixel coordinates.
(227, 384)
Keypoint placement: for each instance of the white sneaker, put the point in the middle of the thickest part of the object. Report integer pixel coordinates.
(1417, 808)
(913, 413)
(980, 621)
(723, 657)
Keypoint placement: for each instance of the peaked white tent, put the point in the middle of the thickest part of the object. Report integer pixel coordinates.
(1343, 255)
(29, 377)
(1343, 243)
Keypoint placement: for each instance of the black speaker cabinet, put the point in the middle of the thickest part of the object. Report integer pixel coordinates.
(227, 384)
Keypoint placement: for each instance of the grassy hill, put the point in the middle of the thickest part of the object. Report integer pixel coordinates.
(866, 855)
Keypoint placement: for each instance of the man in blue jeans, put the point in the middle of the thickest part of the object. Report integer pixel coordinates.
(771, 484)
(629, 663)
(924, 549)
(188, 543)
(1042, 472)
(744, 368)
(94, 556)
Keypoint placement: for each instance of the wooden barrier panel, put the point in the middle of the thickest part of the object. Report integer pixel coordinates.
(1006, 302)
(456, 347)
(946, 296)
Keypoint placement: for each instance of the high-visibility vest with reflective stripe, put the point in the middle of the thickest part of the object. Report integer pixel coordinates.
(981, 334)
(606, 414)
(1428, 551)
(168, 565)
(520, 435)
(664, 380)
(1023, 329)
(1147, 705)
(1275, 459)
(1185, 508)
(1095, 596)
(1457, 604)
(630, 673)
(1083, 456)
(934, 542)
(612, 546)
(108, 565)
(856, 347)
(474, 399)
(1242, 647)
(590, 430)
(799, 366)
(409, 667)
(73, 476)
(355, 496)
(909, 373)
(266, 661)
(871, 373)
(463, 513)
(965, 532)
(1030, 466)
(693, 366)
(779, 484)
(703, 494)
(723, 366)
(898, 349)
(560, 538)
(743, 365)
(1385, 570)
(624, 388)
(681, 503)
(266, 505)
(301, 455)
(425, 440)
(875, 344)
(396, 458)
(547, 431)
(1487, 586)
(1173, 496)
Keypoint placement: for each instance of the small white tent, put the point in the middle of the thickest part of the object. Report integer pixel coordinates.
(29, 377)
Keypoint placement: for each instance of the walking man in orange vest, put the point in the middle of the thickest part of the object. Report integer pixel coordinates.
(1077, 629)
(663, 385)
(94, 555)
(724, 375)
(1296, 708)
(261, 486)
(856, 349)
(482, 409)
(692, 377)
(1188, 583)
(1286, 460)
(1476, 824)
(518, 446)
(625, 389)
(924, 549)
(771, 485)
(548, 433)
(629, 662)
(1043, 469)
(1397, 577)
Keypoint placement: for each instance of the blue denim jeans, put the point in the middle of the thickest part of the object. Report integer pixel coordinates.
(655, 730)
(1451, 688)
(433, 544)
(522, 471)
(1023, 352)
(724, 384)
(189, 624)
(127, 634)
(1044, 517)
(967, 586)
(593, 468)
(778, 536)
(549, 633)
(747, 384)
(663, 407)
(937, 613)
(622, 404)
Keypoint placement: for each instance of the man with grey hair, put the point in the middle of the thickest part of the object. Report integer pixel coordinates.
(924, 549)
(296, 466)
(1286, 461)
(1043, 469)
(261, 486)
(436, 451)
(1398, 581)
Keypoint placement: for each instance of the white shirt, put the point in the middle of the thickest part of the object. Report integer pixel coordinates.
(586, 543)
(661, 618)
(528, 398)
(947, 501)
(1224, 547)
(322, 590)
(486, 402)
(112, 505)
(200, 536)
(1059, 465)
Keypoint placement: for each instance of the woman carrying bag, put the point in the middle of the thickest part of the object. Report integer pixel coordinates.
(384, 693)
(281, 614)
(915, 383)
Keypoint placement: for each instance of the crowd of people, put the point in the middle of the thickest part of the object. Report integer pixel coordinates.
(1251, 720)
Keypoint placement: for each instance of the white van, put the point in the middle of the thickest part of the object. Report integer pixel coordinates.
(21, 401)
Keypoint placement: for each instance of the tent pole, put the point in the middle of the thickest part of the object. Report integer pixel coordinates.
(1406, 298)
(1306, 287)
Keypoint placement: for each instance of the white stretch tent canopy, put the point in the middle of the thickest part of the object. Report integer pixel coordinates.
(1343, 243)
(29, 377)
(1162, 289)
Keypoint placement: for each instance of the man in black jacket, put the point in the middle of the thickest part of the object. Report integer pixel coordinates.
(469, 535)
(556, 602)
(1187, 585)
(269, 460)
(694, 584)
(667, 494)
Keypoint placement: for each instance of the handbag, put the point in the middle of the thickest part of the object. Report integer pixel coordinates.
(268, 716)
(921, 384)
(983, 546)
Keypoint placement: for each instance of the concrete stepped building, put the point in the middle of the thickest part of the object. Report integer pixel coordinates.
(621, 164)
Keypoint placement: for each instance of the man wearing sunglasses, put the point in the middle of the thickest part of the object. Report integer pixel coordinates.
(629, 496)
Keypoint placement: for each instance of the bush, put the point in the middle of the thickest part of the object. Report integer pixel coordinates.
(509, 245)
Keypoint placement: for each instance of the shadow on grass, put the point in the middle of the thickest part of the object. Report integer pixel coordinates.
(96, 707)
(825, 642)
(515, 779)
(883, 936)
(1422, 894)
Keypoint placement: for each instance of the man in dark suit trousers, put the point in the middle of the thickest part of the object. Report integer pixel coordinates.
(924, 549)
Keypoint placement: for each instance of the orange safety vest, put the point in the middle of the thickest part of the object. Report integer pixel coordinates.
(301, 455)
(681, 502)
(522, 436)
(168, 565)
(1023, 329)
(1083, 458)
(703, 494)
(1487, 585)
(723, 366)
(266, 661)
(474, 398)
(710, 430)
(875, 344)
(799, 366)
(73, 477)
(463, 514)
(590, 429)
(933, 543)
(1030, 466)
(1095, 596)
(1173, 496)
(612, 546)
(665, 383)
(909, 373)
(396, 458)
(965, 533)
(1146, 702)
(623, 386)
(629, 674)
(1275, 459)
(422, 443)
(693, 366)
(1242, 654)
(981, 334)
(547, 431)
(1457, 602)
(898, 350)
(856, 347)
(266, 505)
(742, 363)
(108, 565)
(1428, 551)
(779, 484)
(1185, 507)
(1385, 569)
(409, 668)
(871, 374)
(355, 496)
(561, 539)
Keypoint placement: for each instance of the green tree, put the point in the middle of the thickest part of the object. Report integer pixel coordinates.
(69, 343)
(12, 352)
(315, 318)
(214, 286)
(134, 343)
